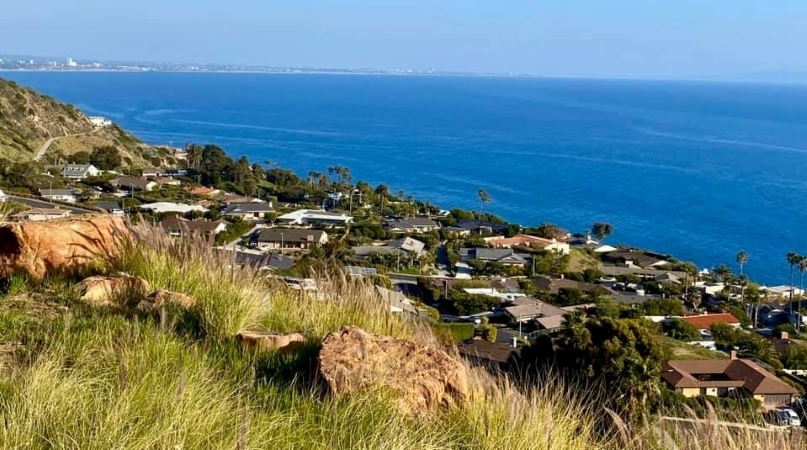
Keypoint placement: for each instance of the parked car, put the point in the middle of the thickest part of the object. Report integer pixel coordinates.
(783, 417)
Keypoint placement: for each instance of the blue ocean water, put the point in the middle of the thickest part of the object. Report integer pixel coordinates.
(697, 170)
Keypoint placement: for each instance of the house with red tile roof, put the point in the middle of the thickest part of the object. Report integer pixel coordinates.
(704, 321)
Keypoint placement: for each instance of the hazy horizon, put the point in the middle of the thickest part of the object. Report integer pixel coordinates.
(620, 39)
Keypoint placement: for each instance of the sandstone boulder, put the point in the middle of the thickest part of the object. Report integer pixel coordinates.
(123, 290)
(422, 377)
(161, 298)
(265, 341)
(36, 248)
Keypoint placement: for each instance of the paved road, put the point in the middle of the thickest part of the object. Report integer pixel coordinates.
(34, 203)
(44, 148)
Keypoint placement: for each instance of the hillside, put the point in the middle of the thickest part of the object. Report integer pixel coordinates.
(28, 119)
(122, 371)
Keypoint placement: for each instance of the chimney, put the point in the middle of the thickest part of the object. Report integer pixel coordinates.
(733, 355)
(784, 335)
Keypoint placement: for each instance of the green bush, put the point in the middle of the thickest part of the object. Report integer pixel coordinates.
(454, 332)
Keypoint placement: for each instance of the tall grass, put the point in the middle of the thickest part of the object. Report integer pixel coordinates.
(102, 380)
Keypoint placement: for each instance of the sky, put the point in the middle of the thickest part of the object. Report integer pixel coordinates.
(599, 38)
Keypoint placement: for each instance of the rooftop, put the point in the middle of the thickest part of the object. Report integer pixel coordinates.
(704, 321)
(724, 373)
(289, 235)
(310, 214)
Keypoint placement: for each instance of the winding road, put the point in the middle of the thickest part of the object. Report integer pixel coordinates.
(44, 148)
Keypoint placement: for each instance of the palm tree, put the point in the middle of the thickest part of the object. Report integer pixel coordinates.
(573, 319)
(759, 348)
(792, 260)
(742, 258)
(484, 199)
(383, 192)
(641, 382)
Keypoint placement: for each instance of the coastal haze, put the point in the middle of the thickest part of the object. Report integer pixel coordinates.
(696, 170)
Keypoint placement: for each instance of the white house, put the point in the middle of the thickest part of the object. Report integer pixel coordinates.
(164, 207)
(99, 121)
(60, 195)
(79, 171)
(306, 217)
(41, 214)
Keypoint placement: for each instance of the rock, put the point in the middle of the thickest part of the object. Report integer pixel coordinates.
(160, 298)
(122, 290)
(265, 341)
(68, 245)
(423, 377)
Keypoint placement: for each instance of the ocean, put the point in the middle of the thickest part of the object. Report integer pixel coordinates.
(696, 170)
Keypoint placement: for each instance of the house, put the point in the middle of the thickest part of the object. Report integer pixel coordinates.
(668, 277)
(358, 271)
(168, 207)
(289, 239)
(271, 261)
(249, 211)
(494, 356)
(233, 199)
(203, 191)
(133, 184)
(166, 181)
(152, 172)
(110, 207)
(727, 378)
(174, 172)
(40, 214)
(525, 240)
(398, 246)
(525, 309)
(79, 171)
(398, 303)
(177, 226)
(554, 285)
(309, 217)
(484, 228)
(412, 225)
(632, 258)
(704, 321)
(60, 195)
(504, 256)
(649, 274)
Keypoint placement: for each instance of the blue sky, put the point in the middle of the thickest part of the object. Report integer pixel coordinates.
(637, 38)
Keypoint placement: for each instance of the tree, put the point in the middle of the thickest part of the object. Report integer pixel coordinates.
(549, 231)
(663, 307)
(758, 347)
(792, 261)
(682, 331)
(795, 357)
(382, 191)
(106, 158)
(601, 230)
(569, 297)
(742, 258)
(81, 157)
(484, 199)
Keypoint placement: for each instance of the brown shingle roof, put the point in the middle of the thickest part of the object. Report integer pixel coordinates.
(735, 373)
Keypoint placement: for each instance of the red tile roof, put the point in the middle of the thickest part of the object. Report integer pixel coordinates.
(703, 322)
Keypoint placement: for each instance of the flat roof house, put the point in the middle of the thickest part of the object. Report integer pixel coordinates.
(178, 226)
(60, 195)
(727, 378)
(111, 207)
(289, 239)
(133, 184)
(469, 227)
(506, 256)
(249, 211)
(168, 207)
(40, 214)
(309, 217)
(412, 225)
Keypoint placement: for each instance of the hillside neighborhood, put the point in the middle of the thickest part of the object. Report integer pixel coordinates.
(496, 288)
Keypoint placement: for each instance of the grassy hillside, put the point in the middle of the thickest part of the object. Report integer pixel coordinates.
(28, 119)
(76, 377)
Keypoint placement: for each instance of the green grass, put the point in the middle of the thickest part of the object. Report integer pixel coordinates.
(100, 379)
(683, 350)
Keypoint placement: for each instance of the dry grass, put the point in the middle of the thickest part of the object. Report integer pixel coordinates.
(114, 381)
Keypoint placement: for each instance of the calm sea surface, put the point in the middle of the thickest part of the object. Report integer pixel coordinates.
(698, 170)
